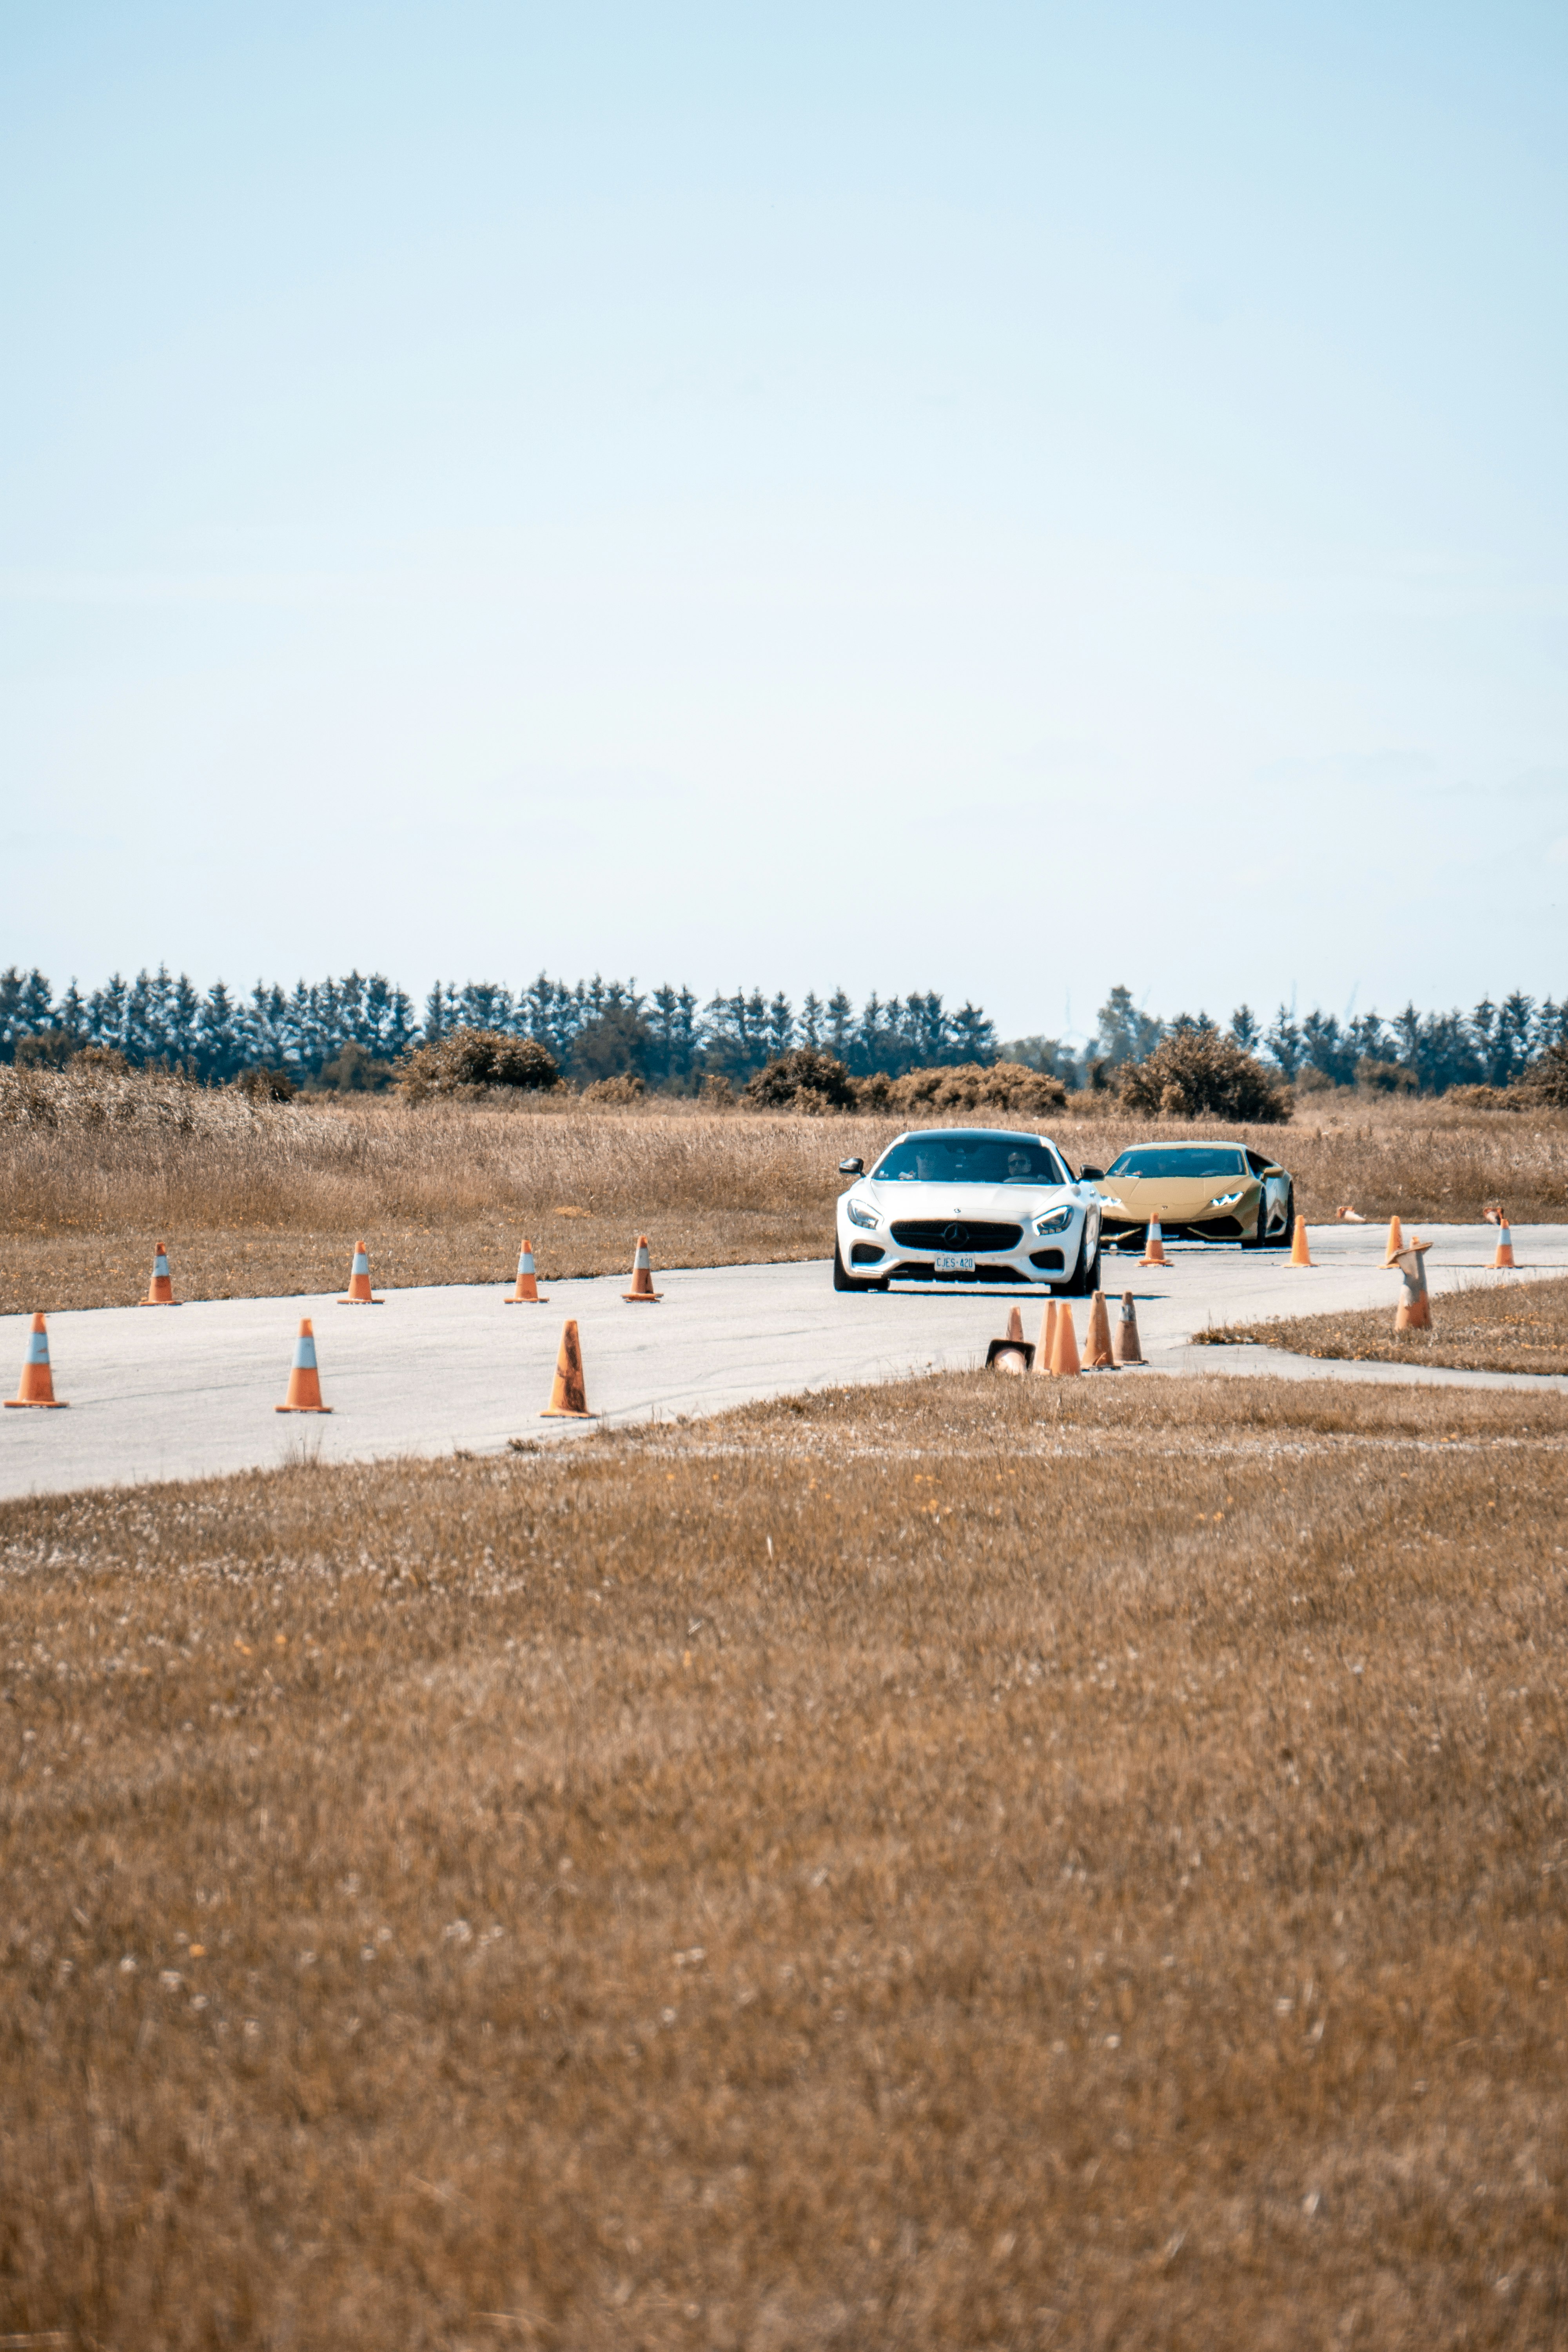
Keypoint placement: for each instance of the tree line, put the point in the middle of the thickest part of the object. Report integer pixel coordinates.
(1414, 1051)
(350, 1032)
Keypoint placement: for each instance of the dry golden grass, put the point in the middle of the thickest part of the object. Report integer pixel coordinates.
(1504, 1327)
(976, 1863)
(261, 1202)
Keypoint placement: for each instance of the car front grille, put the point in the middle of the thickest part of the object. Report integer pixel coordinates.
(960, 1233)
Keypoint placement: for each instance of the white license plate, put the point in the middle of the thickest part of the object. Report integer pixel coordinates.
(949, 1262)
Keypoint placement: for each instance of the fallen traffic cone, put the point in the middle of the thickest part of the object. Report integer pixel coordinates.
(359, 1281)
(527, 1291)
(1013, 1353)
(1153, 1247)
(160, 1290)
(1300, 1253)
(1047, 1339)
(1097, 1355)
(38, 1381)
(1414, 1312)
(1127, 1348)
(569, 1397)
(1395, 1240)
(642, 1292)
(1503, 1257)
(304, 1380)
(1492, 1214)
(1350, 1217)
(1064, 1347)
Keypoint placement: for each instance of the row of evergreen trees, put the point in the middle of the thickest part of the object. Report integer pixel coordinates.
(334, 1030)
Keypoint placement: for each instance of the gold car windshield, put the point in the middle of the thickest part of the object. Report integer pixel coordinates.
(1194, 1160)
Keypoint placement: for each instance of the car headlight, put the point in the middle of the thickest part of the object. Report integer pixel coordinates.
(861, 1214)
(1055, 1221)
(1224, 1199)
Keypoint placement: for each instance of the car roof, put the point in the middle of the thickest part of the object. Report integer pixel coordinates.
(977, 1134)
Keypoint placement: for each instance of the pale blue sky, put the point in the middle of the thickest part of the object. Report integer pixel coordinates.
(1003, 499)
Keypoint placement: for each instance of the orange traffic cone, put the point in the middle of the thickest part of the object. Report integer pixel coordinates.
(1128, 1348)
(1350, 1217)
(1013, 1353)
(1414, 1312)
(1395, 1240)
(569, 1397)
(160, 1290)
(1047, 1339)
(1300, 1253)
(304, 1380)
(1153, 1247)
(359, 1281)
(38, 1381)
(1503, 1257)
(1064, 1347)
(527, 1291)
(642, 1291)
(1097, 1355)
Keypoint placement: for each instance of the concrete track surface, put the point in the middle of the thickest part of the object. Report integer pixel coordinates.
(156, 1392)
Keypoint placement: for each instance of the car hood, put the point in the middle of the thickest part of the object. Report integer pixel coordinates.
(1011, 1204)
(1172, 1196)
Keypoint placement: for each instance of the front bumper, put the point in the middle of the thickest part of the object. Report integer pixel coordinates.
(1040, 1261)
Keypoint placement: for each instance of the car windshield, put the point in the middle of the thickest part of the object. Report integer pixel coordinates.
(1180, 1159)
(970, 1159)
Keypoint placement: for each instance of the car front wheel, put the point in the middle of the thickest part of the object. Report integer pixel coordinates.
(842, 1278)
(1286, 1234)
(1086, 1274)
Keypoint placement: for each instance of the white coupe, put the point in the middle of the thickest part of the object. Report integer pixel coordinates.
(962, 1204)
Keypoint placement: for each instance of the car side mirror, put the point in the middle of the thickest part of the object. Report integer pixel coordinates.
(852, 1168)
(1088, 1175)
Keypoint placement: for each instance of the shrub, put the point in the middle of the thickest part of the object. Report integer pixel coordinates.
(356, 1071)
(1198, 1074)
(716, 1092)
(51, 1049)
(99, 1061)
(1383, 1077)
(805, 1071)
(467, 1059)
(266, 1086)
(1545, 1081)
(977, 1086)
(625, 1087)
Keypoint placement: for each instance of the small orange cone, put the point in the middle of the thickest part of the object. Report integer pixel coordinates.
(642, 1292)
(359, 1281)
(1395, 1240)
(1503, 1257)
(1153, 1247)
(1064, 1347)
(1350, 1217)
(569, 1397)
(37, 1380)
(1300, 1253)
(1127, 1348)
(304, 1380)
(160, 1290)
(1013, 1353)
(1414, 1312)
(1097, 1355)
(527, 1291)
(1047, 1339)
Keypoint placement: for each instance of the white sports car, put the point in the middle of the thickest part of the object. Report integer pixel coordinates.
(961, 1204)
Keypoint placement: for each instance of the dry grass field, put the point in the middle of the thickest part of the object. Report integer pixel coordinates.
(257, 1203)
(1504, 1326)
(969, 1863)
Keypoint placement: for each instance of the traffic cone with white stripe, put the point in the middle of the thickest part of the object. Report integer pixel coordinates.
(527, 1291)
(569, 1397)
(642, 1292)
(359, 1281)
(1129, 1350)
(1153, 1246)
(38, 1381)
(304, 1380)
(160, 1290)
(1503, 1260)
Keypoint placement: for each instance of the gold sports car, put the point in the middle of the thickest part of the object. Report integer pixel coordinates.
(1199, 1192)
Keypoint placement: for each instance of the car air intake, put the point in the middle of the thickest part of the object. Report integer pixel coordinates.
(961, 1234)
